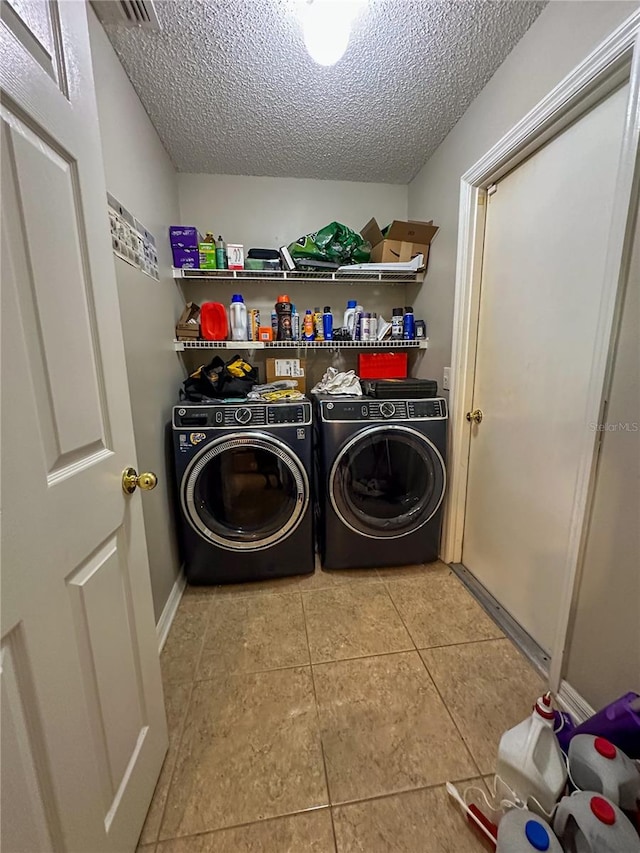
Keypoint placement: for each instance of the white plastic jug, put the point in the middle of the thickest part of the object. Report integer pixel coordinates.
(530, 760)
(588, 823)
(238, 318)
(521, 831)
(595, 764)
(350, 316)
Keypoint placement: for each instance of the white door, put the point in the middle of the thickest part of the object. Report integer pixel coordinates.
(83, 725)
(544, 256)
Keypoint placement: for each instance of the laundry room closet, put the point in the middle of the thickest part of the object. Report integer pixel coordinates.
(321, 382)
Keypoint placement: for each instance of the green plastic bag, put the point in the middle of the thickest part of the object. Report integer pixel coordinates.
(334, 243)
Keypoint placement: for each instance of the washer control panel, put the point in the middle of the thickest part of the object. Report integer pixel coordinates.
(366, 409)
(234, 415)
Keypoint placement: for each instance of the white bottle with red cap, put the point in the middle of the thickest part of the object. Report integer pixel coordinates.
(596, 764)
(589, 823)
(531, 762)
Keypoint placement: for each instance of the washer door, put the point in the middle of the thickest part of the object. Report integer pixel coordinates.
(245, 492)
(387, 482)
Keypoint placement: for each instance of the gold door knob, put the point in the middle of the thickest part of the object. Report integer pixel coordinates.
(476, 416)
(131, 480)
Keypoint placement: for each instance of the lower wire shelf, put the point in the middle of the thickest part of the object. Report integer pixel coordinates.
(319, 345)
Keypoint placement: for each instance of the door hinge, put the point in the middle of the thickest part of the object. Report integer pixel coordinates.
(492, 189)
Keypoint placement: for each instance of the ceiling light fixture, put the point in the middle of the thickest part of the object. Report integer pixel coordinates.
(326, 26)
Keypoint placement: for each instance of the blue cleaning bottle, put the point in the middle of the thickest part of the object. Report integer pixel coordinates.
(409, 324)
(327, 323)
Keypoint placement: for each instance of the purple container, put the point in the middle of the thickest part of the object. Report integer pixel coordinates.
(184, 237)
(186, 258)
(618, 722)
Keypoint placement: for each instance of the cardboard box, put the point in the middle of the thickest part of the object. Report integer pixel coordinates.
(185, 258)
(401, 242)
(235, 254)
(184, 237)
(287, 368)
(188, 326)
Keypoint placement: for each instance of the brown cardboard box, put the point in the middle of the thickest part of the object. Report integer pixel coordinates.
(287, 368)
(186, 331)
(402, 242)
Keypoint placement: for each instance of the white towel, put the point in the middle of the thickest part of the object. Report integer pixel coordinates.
(335, 382)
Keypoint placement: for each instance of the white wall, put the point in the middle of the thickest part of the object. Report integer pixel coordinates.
(271, 212)
(604, 651)
(141, 176)
(560, 38)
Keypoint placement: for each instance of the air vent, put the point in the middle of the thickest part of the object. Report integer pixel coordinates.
(127, 13)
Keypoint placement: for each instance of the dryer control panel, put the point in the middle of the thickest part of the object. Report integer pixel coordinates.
(366, 409)
(239, 415)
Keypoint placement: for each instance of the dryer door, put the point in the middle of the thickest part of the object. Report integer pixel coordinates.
(387, 482)
(245, 492)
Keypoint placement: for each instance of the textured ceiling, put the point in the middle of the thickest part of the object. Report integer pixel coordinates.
(230, 88)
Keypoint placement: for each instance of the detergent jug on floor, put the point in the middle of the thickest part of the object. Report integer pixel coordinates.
(588, 823)
(595, 764)
(530, 760)
(522, 831)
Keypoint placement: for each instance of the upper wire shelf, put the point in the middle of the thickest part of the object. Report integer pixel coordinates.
(353, 277)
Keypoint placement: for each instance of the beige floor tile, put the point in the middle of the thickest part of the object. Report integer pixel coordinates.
(384, 728)
(145, 848)
(488, 688)
(353, 620)
(416, 571)
(274, 585)
(438, 611)
(181, 651)
(425, 821)
(176, 704)
(310, 832)
(250, 750)
(320, 579)
(254, 633)
(324, 578)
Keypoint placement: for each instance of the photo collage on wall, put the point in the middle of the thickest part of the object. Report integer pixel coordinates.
(130, 240)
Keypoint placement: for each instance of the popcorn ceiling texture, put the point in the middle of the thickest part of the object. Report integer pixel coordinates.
(230, 88)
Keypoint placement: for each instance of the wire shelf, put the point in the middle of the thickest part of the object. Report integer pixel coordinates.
(326, 345)
(352, 277)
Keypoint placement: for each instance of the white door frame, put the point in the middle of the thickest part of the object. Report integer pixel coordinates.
(610, 65)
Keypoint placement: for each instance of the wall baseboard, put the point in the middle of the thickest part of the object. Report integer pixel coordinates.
(573, 702)
(169, 610)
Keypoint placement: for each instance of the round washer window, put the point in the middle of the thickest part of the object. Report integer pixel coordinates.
(387, 482)
(245, 492)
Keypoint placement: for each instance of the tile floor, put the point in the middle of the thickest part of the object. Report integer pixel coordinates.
(322, 714)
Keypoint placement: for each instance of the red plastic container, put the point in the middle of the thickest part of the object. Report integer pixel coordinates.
(214, 324)
(383, 365)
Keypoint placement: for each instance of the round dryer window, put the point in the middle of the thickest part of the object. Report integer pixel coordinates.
(245, 492)
(387, 482)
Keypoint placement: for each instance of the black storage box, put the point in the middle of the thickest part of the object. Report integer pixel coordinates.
(396, 389)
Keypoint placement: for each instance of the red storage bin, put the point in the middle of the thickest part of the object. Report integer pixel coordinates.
(383, 365)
